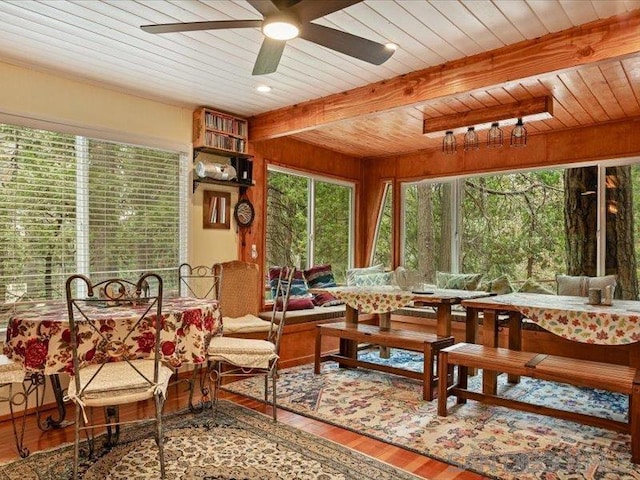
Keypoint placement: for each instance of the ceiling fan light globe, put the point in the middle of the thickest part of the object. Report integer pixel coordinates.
(280, 30)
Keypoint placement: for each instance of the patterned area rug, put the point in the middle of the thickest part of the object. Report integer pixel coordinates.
(240, 445)
(497, 442)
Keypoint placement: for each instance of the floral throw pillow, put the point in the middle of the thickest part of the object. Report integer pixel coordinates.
(458, 281)
(355, 272)
(531, 286)
(499, 285)
(321, 276)
(374, 279)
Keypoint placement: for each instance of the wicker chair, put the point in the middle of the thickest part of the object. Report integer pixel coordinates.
(241, 298)
(239, 357)
(114, 374)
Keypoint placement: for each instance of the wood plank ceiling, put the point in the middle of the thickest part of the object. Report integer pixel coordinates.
(100, 42)
(587, 96)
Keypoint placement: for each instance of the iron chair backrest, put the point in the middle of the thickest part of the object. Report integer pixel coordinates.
(240, 288)
(199, 282)
(280, 305)
(112, 293)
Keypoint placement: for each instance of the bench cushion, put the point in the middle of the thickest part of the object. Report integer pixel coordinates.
(246, 324)
(311, 315)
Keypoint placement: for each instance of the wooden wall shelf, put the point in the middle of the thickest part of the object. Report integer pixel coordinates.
(220, 152)
(229, 183)
(225, 135)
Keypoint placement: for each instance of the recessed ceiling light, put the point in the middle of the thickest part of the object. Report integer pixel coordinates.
(263, 88)
(391, 46)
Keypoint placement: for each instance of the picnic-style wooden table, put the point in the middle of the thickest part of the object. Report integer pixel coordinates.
(383, 300)
(569, 317)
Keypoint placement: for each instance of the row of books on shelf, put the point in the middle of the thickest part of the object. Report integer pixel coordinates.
(226, 124)
(224, 142)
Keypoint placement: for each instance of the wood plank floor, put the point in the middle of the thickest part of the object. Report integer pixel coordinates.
(177, 399)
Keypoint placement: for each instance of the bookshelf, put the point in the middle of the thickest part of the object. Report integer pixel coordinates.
(220, 133)
(226, 135)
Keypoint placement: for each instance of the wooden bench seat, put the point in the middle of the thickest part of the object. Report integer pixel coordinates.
(427, 343)
(582, 373)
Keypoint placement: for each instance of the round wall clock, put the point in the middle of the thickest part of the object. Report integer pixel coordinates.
(244, 213)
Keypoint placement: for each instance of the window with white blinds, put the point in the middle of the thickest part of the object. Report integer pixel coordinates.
(74, 204)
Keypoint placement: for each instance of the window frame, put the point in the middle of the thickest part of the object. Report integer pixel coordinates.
(388, 189)
(312, 178)
(83, 136)
(458, 185)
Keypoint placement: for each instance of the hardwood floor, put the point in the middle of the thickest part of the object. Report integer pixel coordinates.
(177, 399)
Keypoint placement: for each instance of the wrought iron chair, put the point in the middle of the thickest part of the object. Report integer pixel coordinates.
(239, 357)
(12, 375)
(240, 297)
(198, 282)
(110, 365)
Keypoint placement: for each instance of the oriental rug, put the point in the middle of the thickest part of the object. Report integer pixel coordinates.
(240, 445)
(494, 441)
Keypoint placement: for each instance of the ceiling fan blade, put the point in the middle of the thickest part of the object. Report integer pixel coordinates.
(269, 56)
(352, 45)
(194, 26)
(307, 10)
(265, 7)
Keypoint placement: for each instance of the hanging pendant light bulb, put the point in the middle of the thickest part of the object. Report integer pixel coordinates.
(449, 143)
(471, 141)
(519, 135)
(495, 136)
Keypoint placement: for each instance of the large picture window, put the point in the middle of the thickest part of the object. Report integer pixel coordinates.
(309, 221)
(73, 204)
(428, 228)
(513, 224)
(533, 224)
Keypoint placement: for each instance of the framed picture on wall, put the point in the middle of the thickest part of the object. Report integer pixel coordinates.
(216, 209)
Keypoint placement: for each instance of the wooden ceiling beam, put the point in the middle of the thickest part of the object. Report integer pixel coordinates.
(613, 38)
(529, 110)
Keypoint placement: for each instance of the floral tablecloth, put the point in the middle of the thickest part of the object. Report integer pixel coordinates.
(39, 336)
(574, 319)
(381, 299)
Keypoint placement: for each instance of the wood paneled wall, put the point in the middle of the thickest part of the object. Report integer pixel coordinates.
(605, 141)
(303, 157)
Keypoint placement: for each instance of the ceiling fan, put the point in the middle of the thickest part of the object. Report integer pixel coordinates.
(287, 19)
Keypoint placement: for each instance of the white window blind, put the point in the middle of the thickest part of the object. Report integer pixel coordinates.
(73, 204)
